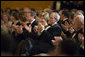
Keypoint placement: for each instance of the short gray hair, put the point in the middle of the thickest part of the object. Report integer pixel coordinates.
(57, 16)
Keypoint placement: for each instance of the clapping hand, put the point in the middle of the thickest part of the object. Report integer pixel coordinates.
(66, 23)
(28, 28)
(64, 27)
(80, 36)
(81, 39)
(35, 28)
(19, 29)
(57, 40)
(71, 30)
(40, 28)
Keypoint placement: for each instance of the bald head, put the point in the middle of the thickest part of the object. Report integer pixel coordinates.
(78, 22)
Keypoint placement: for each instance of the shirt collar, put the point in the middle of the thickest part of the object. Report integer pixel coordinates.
(32, 21)
(54, 23)
(65, 19)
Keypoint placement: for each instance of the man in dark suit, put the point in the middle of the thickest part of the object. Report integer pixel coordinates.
(49, 33)
(64, 21)
(79, 33)
(29, 27)
(33, 24)
(44, 44)
(34, 28)
(64, 17)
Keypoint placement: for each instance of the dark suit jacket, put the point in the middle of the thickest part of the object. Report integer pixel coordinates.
(35, 23)
(45, 38)
(43, 43)
(33, 33)
(66, 32)
(25, 33)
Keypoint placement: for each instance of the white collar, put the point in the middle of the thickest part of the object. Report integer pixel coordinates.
(65, 19)
(32, 21)
(50, 26)
(54, 23)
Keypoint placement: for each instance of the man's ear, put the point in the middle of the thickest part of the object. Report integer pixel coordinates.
(56, 20)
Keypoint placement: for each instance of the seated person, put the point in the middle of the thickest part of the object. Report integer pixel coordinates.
(44, 44)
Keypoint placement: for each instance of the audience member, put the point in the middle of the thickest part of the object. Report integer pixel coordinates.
(46, 32)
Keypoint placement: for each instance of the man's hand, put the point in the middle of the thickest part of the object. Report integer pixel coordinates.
(66, 23)
(80, 36)
(64, 27)
(57, 40)
(63, 34)
(40, 27)
(28, 28)
(35, 28)
(81, 39)
(71, 30)
(19, 29)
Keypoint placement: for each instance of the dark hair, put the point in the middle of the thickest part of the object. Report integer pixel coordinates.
(16, 16)
(69, 47)
(15, 13)
(32, 13)
(71, 15)
(15, 10)
(23, 19)
(65, 13)
(32, 9)
(7, 9)
(21, 16)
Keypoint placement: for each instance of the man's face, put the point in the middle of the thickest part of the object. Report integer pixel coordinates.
(76, 24)
(52, 19)
(12, 18)
(26, 10)
(5, 18)
(28, 17)
(70, 20)
(61, 15)
(8, 10)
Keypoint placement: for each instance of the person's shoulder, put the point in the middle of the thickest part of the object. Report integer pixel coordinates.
(67, 20)
(35, 22)
(57, 26)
